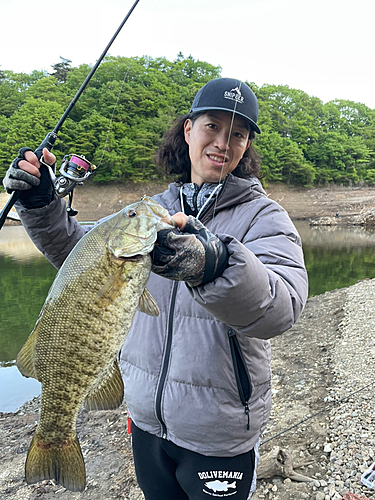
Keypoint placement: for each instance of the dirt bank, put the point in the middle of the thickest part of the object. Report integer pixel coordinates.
(301, 203)
(93, 201)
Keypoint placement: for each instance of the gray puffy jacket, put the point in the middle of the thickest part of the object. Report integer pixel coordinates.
(199, 373)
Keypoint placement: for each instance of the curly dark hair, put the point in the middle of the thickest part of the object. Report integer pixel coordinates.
(173, 154)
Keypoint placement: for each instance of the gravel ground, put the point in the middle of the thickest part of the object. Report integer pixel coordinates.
(338, 444)
(326, 356)
(351, 433)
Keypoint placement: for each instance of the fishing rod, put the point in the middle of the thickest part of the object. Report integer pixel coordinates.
(75, 169)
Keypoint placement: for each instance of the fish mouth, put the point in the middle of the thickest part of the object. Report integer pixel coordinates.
(132, 258)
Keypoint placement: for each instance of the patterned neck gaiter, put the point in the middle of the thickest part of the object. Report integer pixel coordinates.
(197, 196)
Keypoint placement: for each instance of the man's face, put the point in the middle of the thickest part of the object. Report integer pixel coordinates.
(215, 145)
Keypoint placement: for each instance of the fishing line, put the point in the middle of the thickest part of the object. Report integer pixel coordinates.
(226, 149)
(113, 113)
(317, 413)
(229, 135)
(152, 13)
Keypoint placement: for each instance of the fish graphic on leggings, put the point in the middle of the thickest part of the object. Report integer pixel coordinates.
(220, 485)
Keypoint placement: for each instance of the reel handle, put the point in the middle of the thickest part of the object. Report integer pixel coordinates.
(75, 169)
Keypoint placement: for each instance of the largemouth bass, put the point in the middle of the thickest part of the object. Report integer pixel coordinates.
(73, 349)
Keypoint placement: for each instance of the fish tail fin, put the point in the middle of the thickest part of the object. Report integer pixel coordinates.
(63, 463)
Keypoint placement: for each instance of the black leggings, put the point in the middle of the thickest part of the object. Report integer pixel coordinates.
(168, 472)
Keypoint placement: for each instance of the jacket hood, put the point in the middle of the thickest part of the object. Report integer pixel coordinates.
(235, 192)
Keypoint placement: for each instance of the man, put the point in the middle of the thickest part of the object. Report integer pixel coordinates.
(197, 378)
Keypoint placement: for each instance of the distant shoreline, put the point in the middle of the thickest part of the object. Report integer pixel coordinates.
(94, 201)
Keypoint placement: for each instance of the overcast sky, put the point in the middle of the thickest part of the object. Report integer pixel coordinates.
(323, 47)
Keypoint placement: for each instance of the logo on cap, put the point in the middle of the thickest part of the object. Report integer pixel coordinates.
(234, 95)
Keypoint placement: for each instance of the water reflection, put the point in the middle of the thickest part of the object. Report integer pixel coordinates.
(335, 236)
(336, 257)
(15, 389)
(25, 278)
(15, 243)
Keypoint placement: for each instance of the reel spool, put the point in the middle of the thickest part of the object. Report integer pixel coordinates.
(75, 169)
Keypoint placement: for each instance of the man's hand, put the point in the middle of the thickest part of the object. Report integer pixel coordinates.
(30, 178)
(180, 219)
(193, 255)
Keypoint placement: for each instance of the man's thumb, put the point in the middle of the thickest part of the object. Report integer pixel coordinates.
(49, 157)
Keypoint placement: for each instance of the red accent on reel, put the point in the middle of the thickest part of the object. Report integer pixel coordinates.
(80, 162)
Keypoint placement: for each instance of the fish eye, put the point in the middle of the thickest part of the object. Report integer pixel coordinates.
(132, 213)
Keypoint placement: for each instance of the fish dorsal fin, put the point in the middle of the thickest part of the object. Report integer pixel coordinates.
(26, 356)
(108, 392)
(147, 304)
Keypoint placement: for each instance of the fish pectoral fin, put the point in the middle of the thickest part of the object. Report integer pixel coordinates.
(61, 462)
(112, 287)
(108, 391)
(26, 357)
(147, 304)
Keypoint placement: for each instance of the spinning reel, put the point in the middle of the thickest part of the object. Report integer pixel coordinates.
(74, 170)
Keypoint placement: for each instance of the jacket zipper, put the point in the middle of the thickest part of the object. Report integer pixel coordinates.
(164, 371)
(212, 202)
(195, 197)
(243, 379)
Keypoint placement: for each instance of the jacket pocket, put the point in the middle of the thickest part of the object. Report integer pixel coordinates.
(241, 372)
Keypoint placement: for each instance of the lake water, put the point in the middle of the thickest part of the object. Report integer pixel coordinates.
(335, 258)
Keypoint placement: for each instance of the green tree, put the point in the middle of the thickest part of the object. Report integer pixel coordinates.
(14, 88)
(119, 120)
(28, 126)
(61, 69)
(339, 158)
(283, 161)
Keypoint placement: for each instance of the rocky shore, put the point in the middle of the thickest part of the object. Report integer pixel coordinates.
(323, 401)
(326, 357)
(365, 218)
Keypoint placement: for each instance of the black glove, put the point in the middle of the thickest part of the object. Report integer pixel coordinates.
(33, 192)
(195, 255)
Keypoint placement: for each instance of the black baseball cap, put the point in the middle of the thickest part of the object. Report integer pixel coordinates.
(228, 94)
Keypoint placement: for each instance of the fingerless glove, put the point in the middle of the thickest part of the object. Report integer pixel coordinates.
(34, 192)
(193, 255)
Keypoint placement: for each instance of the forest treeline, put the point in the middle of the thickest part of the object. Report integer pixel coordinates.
(119, 120)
